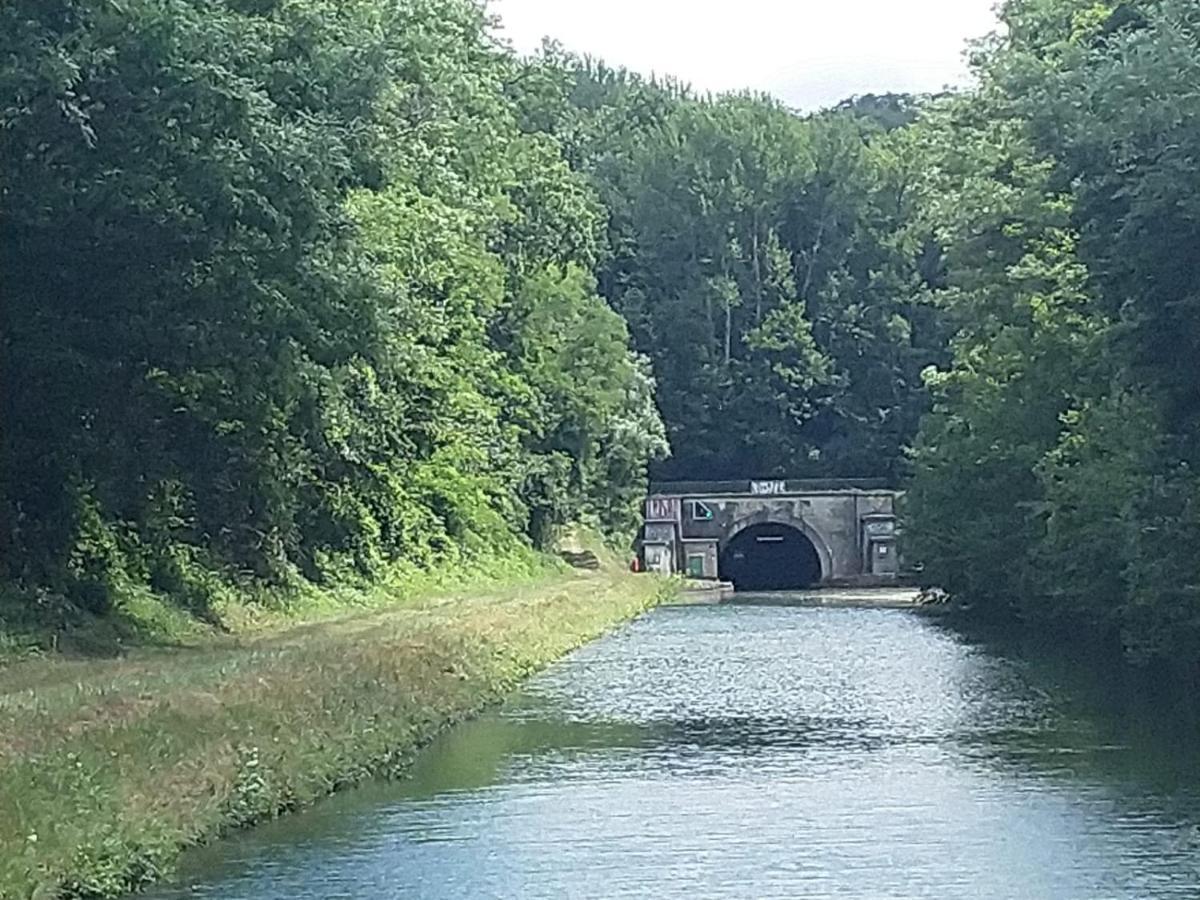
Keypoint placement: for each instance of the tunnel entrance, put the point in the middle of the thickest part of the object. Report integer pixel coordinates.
(770, 557)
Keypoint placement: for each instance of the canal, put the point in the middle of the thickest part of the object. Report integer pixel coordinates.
(763, 750)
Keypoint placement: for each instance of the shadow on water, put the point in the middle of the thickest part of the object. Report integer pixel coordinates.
(1112, 721)
(765, 735)
(759, 749)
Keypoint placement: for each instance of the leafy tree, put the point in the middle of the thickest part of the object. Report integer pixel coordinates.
(730, 220)
(1104, 474)
(267, 270)
(310, 290)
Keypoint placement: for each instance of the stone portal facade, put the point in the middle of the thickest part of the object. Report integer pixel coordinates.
(851, 525)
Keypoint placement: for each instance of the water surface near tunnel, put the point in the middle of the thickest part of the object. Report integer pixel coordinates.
(761, 751)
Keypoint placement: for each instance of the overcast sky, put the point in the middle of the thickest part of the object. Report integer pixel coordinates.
(809, 53)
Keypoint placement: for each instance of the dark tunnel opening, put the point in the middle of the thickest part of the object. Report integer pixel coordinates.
(770, 557)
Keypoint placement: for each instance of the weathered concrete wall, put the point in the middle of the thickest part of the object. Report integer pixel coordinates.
(848, 528)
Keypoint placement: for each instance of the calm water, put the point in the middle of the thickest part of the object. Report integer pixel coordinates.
(763, 751)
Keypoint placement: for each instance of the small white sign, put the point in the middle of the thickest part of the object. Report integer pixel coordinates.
(768, 487)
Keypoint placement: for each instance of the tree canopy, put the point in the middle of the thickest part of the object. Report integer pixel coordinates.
(290, 293)
(1055, 479)
(303, 290)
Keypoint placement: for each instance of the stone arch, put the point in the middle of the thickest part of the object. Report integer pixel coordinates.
(790, 520)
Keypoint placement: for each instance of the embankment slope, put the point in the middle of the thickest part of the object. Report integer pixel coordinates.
(109, 767)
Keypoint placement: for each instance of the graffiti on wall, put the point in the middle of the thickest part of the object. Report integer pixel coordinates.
(662, 509)
(768, 488)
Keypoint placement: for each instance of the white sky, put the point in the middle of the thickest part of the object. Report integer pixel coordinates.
(809, 53)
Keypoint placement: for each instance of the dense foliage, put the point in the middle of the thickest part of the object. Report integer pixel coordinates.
(288, 293)
(1056, 479)
(767, 264)
(304, 289)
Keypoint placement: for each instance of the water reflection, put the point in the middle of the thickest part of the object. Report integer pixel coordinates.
(760, 751)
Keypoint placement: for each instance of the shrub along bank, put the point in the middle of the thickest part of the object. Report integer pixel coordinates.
(108, 768)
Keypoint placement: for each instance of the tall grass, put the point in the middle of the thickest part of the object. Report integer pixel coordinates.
(109, 766)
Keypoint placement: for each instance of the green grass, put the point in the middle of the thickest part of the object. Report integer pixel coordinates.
(33, 623)
(108, 767)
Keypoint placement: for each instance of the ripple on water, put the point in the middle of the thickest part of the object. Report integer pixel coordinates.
(755, 752)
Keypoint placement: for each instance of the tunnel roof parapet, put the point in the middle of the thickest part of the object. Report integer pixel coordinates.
(780, 487)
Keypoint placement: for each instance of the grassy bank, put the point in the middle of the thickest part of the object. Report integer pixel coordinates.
(109, 767)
